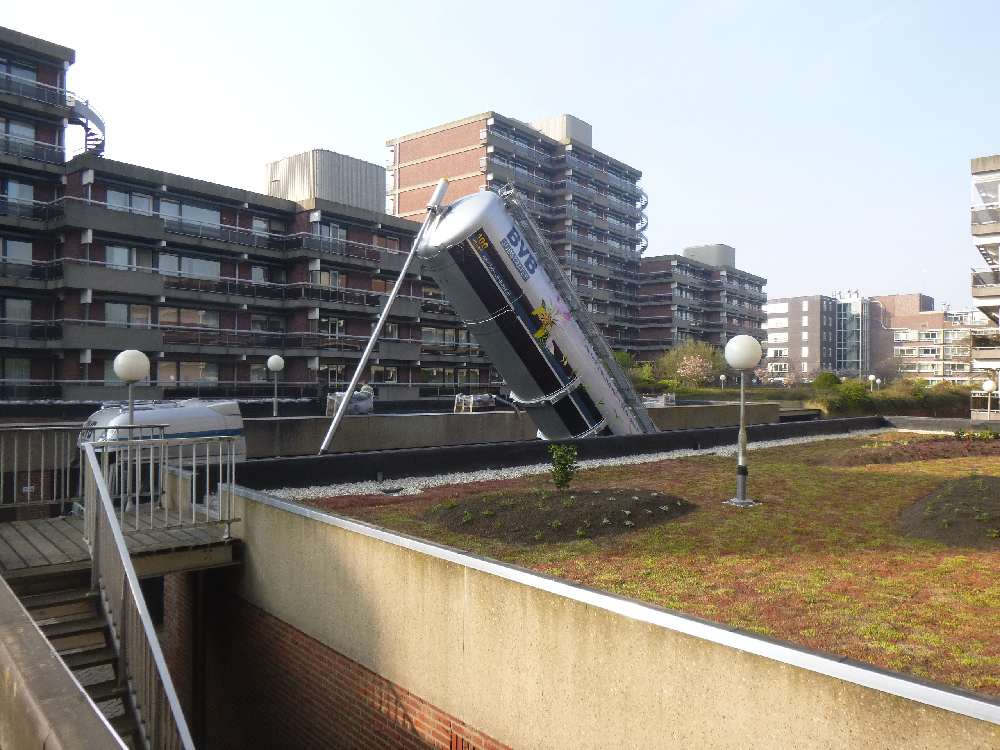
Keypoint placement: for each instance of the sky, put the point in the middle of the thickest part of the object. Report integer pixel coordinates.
(828, 142)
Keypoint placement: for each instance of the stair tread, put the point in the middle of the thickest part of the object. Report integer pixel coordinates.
(90, 658)
(105, 691)
(75, 626)
(38, 601)
(124, 725)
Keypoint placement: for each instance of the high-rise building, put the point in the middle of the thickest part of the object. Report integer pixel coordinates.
(587, 204)
(698, 295)
(97, 256)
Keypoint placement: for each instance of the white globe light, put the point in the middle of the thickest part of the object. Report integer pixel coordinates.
(989, 386)
(131, 365)
(871, 378)
(275, 363)
(722, 377)
(743, 352)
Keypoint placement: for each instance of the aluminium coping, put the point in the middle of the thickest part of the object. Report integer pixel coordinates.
(917, 689)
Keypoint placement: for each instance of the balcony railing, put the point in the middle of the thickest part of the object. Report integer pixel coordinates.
(28, 148)
(29, 89)
(533, 153)
(988, 213)
(985, 277)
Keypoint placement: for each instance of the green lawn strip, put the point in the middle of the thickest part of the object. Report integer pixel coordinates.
(821, 562)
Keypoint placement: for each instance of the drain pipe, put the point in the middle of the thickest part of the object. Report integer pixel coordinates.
(433, 209)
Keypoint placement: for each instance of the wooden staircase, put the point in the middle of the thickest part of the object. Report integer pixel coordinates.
(71, 618)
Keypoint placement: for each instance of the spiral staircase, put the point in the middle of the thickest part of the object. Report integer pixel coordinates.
(93, 125)
(643, 221)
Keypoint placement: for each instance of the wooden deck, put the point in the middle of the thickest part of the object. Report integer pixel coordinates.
(54, 545)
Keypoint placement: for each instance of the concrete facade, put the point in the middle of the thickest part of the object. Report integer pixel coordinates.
(532, 661)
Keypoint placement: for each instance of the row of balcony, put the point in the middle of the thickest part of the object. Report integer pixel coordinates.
(84, 334)
(28, 148)
(39, 92)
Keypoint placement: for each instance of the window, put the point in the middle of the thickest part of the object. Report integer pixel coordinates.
(380, 374)
(900, 336)
(15, 318)
(382, 285)
(267, 323)
(805, 321)
(128, 258)
(929, 351)
(172, 316)
(125, 315)
(330, 231)
(777, 323)
(330, 326)
(928, 336)
(777, 352)
(389, 330)
(805, 305)
(20, 140)
(258, 372)
(805, 367)
(327, 279)
(21, 193)
(16, 257)
(187, 372)
(389, 243)
(776, 307)
(777, 367)
(904, 351)
(805, 335)
(267, 275)
(805, 351)
(137, 203)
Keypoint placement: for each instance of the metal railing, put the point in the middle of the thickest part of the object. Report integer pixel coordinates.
(985, 277)
(988, 213)
(141, 665)
(39, 465)
(28, 148)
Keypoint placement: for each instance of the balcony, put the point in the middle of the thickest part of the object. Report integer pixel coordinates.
(26, 148)
(985, 214)
(39, 92)
(529, 151)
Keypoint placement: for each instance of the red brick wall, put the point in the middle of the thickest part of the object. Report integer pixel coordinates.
(270, 685)
(445, 166)
(440, 142)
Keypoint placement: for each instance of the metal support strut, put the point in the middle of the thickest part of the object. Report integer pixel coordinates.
(433, 208)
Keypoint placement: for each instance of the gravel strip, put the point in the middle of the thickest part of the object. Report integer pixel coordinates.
(414, 485)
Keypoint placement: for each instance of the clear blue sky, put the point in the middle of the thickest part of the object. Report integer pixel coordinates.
(829, 143)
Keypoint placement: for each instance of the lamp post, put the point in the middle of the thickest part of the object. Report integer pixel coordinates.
(878, 384)
(742, 353)
(989, 386)
(275, 364)
(722, 379)
(131, 366)
(871, 382)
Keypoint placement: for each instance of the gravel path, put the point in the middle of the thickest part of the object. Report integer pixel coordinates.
(414, 485)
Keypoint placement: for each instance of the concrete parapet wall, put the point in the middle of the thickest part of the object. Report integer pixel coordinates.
(538, 662)
(696, 417)
(41, 704)
(302, 436)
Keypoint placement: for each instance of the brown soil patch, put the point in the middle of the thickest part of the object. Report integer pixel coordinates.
(962, 513)
(538, 517)
(910, 449)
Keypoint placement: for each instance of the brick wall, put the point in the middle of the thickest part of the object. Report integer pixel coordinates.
(270, 685)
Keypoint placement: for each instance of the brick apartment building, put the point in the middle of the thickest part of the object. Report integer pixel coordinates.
(890, 336)
(100, 256)
(699, 295)
(587, 204)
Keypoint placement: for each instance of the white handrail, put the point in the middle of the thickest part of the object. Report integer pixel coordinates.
(141, 661)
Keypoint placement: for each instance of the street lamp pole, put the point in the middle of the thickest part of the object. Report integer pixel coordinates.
(275, 364)
(742, 353)
(989, 386)
(131, 366)
(871, 380)
(722, 379)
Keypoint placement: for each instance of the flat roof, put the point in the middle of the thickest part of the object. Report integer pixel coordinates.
(36, 47)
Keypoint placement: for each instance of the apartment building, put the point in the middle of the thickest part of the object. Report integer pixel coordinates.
(100, 256)
(698, 295)
(801, 336)
(587, 204)
(933, 344)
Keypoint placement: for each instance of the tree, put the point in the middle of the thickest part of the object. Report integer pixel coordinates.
(825, 381)
(695, 370)
(666, 366)
(888, 369)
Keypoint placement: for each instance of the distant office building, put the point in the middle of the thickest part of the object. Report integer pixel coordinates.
(933, 344)
(698, 295)
(801, 336)
(587, 204)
